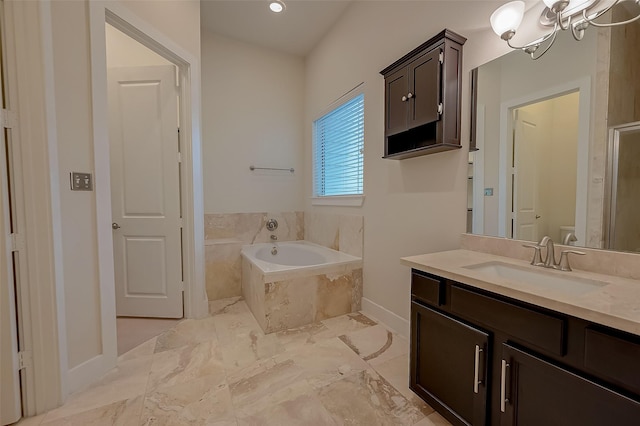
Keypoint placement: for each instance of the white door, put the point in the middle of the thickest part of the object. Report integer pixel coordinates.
(145, 191)
(10, 403)
(525, 182)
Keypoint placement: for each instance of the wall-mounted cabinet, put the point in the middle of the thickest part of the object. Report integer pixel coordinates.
(422, 98)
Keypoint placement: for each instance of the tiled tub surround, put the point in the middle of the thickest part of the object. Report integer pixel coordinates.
(226, 233)
(615, 305)
(282, 297)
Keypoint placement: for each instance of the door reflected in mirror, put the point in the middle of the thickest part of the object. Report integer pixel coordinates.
(542, 129)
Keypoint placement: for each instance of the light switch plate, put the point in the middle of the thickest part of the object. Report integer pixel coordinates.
(81, 181)
(488, 192)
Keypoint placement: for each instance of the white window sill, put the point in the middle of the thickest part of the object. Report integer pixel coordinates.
(338, 200)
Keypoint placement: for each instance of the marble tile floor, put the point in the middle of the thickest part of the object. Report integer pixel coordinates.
(135, 331)
(223, 370)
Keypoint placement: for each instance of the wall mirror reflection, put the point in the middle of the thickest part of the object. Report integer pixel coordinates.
(545, 133)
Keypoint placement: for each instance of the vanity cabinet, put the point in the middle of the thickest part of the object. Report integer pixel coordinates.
(422, 98)
(481, 358)
(446, 355)
(538, 392)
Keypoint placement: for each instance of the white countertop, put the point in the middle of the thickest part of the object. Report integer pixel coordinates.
(615, 305)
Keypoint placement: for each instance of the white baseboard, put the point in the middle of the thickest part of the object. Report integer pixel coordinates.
(87, 373)
(386, 317)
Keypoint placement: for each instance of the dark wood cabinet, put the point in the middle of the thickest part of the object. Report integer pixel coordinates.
(535, 366)
(537, 392)
(449, 365)
(422, 98)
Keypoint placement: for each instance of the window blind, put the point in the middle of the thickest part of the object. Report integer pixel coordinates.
(338, 150)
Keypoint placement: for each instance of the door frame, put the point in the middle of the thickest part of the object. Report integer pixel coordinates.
(195, 303)
(583, 86)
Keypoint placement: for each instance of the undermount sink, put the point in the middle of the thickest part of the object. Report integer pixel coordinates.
(541, 279)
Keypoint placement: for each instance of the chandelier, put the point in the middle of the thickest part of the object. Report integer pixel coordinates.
(574, 15)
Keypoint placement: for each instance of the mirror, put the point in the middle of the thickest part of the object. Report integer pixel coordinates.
(542, 129)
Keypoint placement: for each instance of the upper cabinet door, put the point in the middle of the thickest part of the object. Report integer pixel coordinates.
(425, 76)
(396, 105)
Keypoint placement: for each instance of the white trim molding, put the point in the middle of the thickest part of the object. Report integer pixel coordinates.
(31, 96)
(391, 320)
(339, 200)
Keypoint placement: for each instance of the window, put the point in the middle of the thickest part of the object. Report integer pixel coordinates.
(338, 139)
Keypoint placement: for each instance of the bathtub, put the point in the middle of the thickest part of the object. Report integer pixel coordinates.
(291, 284)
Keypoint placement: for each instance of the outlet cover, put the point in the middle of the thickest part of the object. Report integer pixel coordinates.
(81, 181)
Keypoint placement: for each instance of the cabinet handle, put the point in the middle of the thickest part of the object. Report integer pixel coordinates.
(503, 386)
(410, 95)
(476, 370)
(404, 99)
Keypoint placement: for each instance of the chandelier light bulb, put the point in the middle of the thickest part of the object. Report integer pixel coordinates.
(507, 18)
(276, 6)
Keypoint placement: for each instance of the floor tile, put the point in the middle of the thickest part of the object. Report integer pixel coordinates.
(121, 413)
(30, 421)
(227, 306)
(263, 380)
(367, 399)
(203, 401)
(292, 405)
(325, 362)
(376, 344)
(302, 336)
(248, 347)
(185, 364)
(134, 331)
(145, 349)
(127, 381)
(434, 419)
(396, 372)
(348, 323)
(187, 332)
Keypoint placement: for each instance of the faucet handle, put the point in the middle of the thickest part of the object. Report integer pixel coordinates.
(537, 255)
(564, 259)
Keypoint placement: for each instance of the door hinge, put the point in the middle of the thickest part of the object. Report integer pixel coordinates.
(441, 57)
(17, 242)
(181, 223)
(440, 108)
(181, 286)
(179, 157)
(25, 360)
(9, 119)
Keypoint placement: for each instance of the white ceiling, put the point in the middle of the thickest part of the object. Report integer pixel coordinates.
(295, 31)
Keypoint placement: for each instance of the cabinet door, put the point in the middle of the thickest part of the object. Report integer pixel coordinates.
(536, 392)
(425, 74)
(396, 102)
(448, 365)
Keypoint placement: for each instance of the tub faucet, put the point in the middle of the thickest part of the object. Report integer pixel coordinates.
(274, 237)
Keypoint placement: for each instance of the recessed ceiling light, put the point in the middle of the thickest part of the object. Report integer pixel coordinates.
(277, 6)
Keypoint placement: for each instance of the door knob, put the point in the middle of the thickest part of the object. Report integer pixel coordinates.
(410, 95)
(404, 99)
(115, 225)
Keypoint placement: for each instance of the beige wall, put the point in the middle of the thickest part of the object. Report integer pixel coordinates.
(411, 206)
(176, 20)
(123, 51)
(252, 103)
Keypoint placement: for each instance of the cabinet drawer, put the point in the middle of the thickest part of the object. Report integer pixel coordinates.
(525, 325)
(427, 289)
(613, 358)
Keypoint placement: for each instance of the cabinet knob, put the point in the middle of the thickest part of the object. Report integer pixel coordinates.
(410, 95)
(404, 99)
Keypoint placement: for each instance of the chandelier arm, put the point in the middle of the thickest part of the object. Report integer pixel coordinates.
(577, 34)
(613, 24)
(553, 39)
(539, 42)
(559, 21)
(599, 14)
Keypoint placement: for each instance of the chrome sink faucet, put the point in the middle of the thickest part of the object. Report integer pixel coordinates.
(550, 258)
